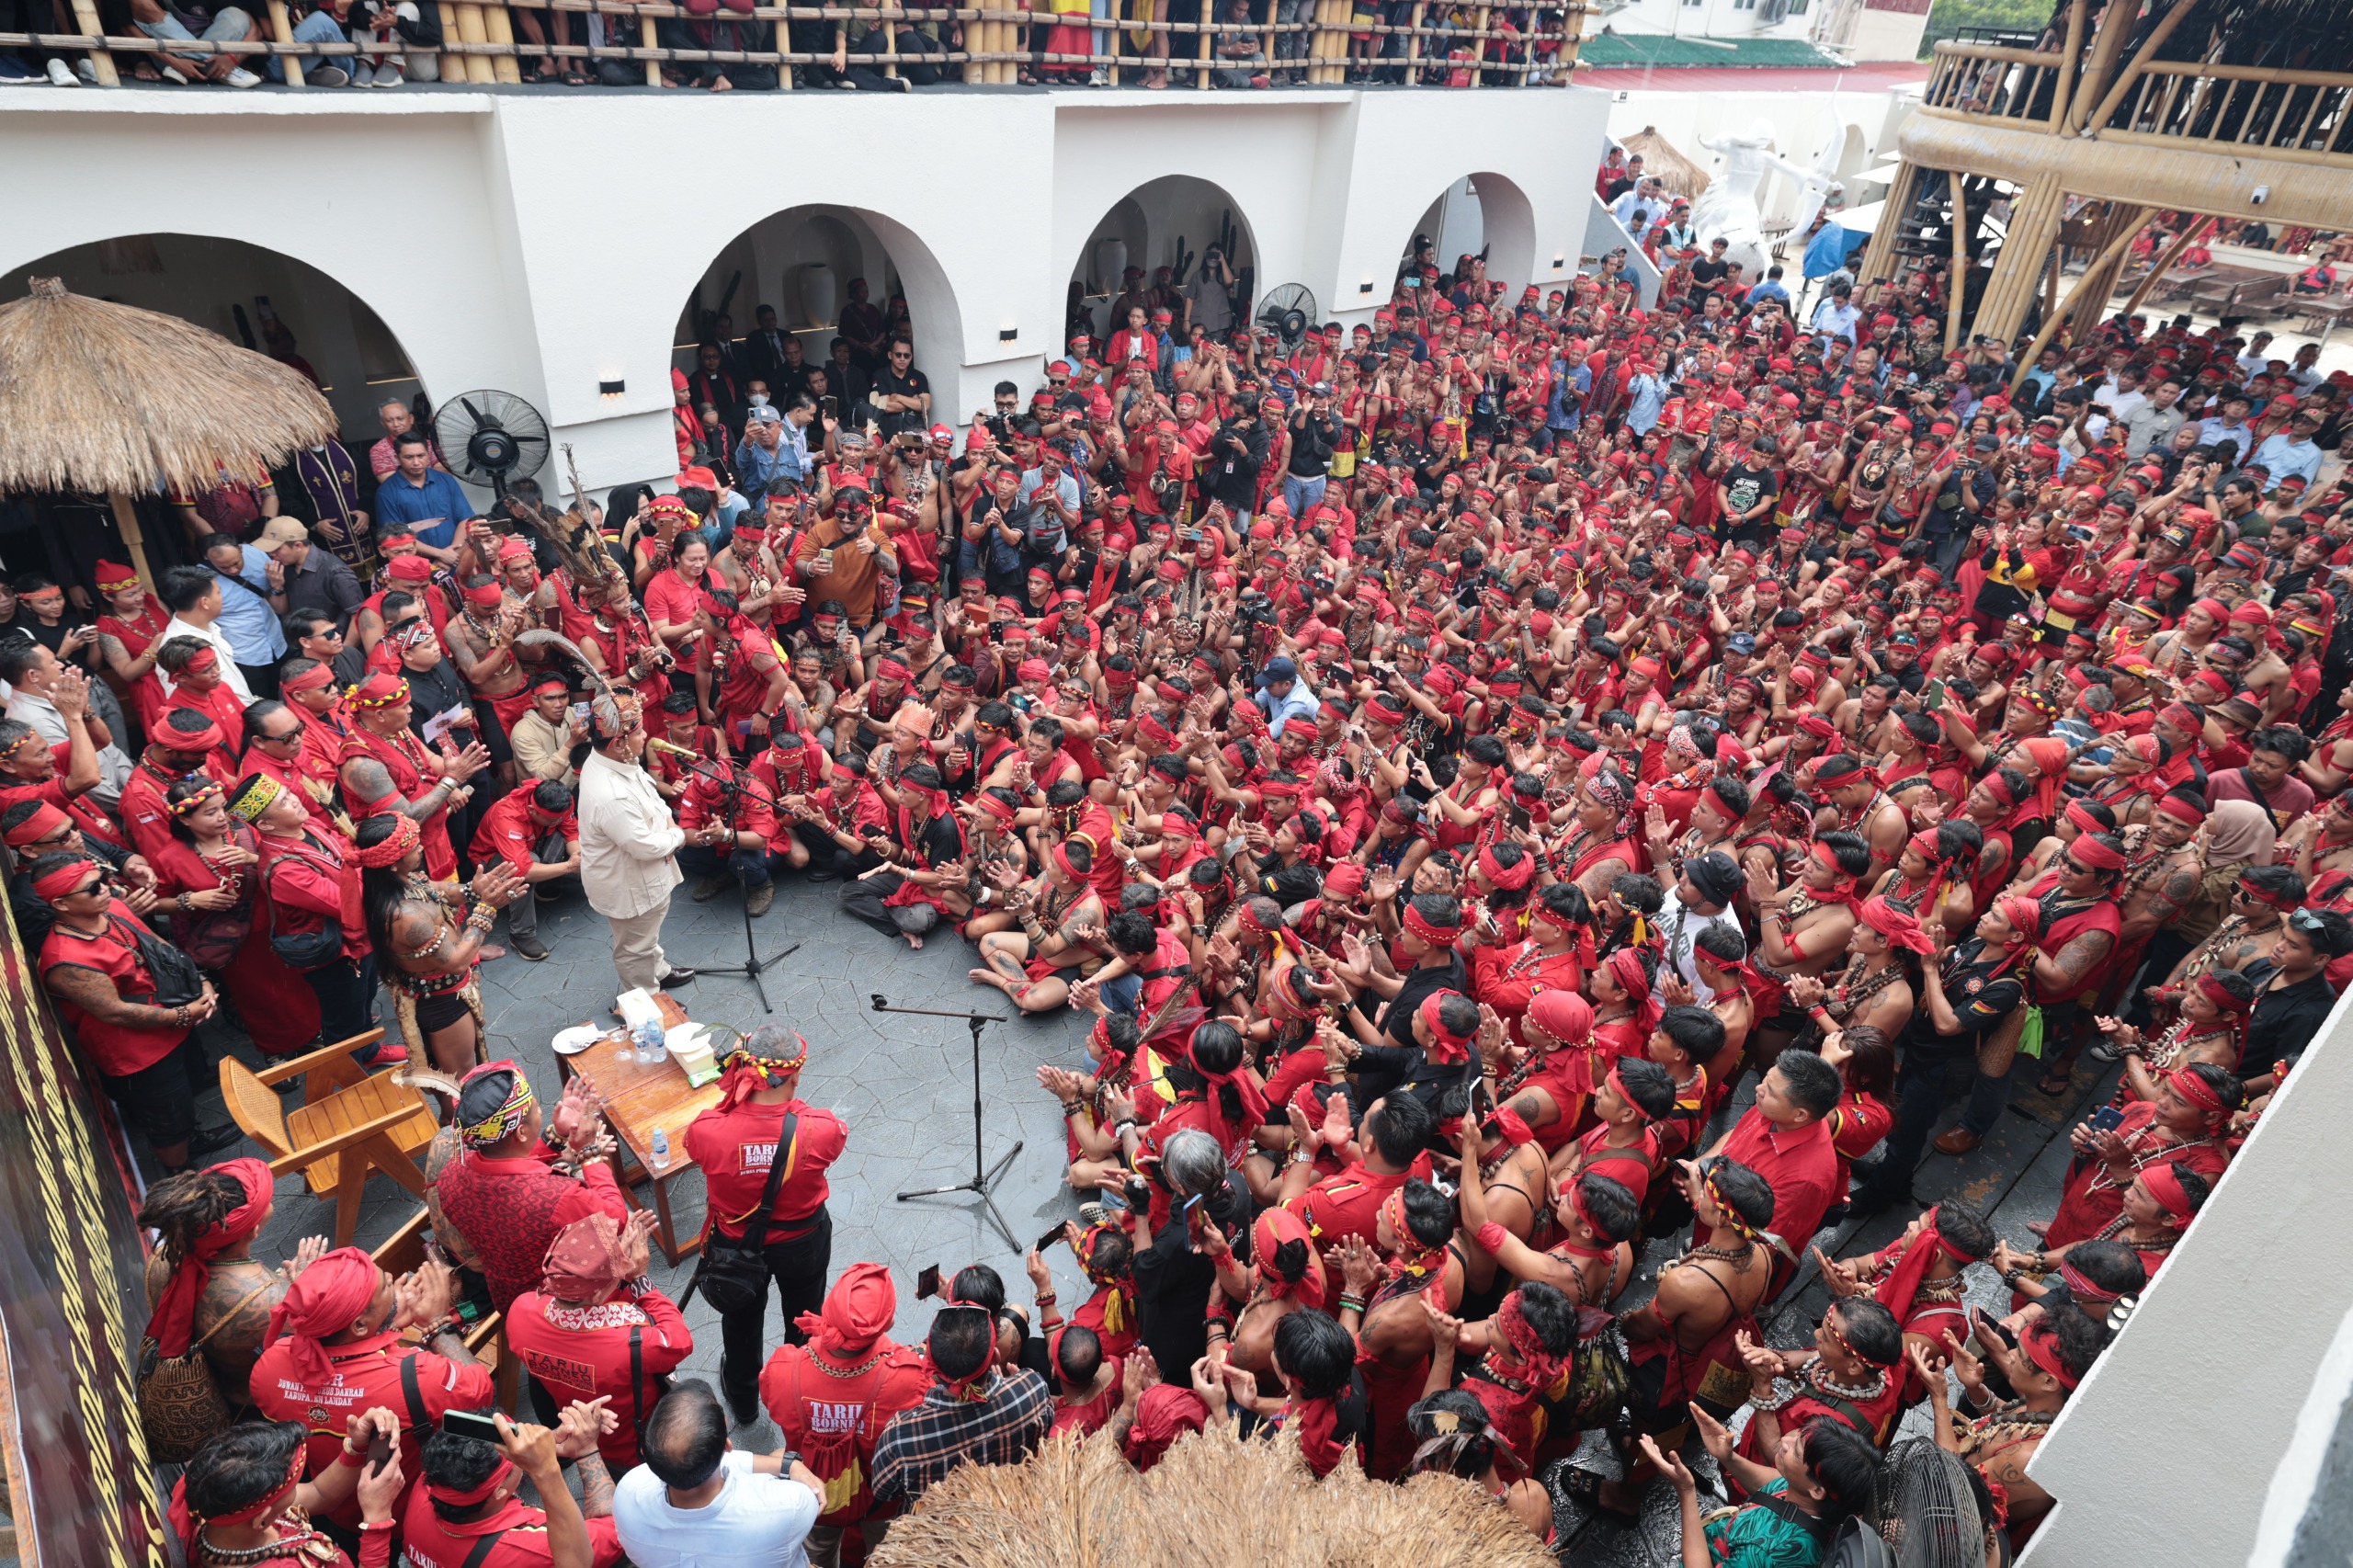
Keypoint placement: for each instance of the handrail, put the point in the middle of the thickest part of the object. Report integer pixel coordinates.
(1992, 82)
(2303, 115)
(1432, 55)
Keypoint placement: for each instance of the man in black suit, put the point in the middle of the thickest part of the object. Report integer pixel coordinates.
(773, 355)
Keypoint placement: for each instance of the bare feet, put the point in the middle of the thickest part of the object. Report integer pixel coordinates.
(913, 940)
(990, 977)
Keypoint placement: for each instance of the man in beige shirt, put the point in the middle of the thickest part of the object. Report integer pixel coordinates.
(543, 737)
(628, 846)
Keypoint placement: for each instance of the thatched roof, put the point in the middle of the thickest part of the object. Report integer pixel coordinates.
(97, 397)
(1214, 1501)
(1663, 159)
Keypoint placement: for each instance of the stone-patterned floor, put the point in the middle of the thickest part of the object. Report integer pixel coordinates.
(904, 1087)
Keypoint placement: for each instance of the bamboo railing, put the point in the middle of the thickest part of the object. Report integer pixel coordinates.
(2288, 114)
(1988, 82)
(987, 46)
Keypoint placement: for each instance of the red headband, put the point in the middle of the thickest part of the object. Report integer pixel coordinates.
(2180, 809)
(1446, 1046)
(2197, 1091)
(64, 878)
(2091, 852)
(2041, 1348)
(405, 835)
(1436, 935)
(2163, 1182)
(311, 679)
(1509, 879)
(1901, 928)
(1618, 1086)
(2214, 991)
(472, 1495)
(38, 826)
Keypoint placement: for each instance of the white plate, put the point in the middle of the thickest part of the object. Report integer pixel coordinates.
(577, 1038)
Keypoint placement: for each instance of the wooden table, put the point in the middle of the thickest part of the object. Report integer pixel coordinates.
(639, 1100)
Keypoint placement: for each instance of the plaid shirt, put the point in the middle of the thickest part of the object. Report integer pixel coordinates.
(921, 1446)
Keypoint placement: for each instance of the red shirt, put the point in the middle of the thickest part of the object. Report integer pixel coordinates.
(510, 1211)
(221, 706)
(310, 880)
(734, 1149)
(582, 1353)
(510, 832)
(144, 816)
(367, 1374)
(1345, 1205)
(1800, 1164)
(118, 1049)
(428, 1540)
(831, 1409)
(294, 777)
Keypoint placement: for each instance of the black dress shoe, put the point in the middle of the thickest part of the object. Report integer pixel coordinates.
(744, 1404)
(677, 978)
(212, 1139)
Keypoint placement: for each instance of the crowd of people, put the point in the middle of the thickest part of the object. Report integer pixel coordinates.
(899, 48)
(1449, 760)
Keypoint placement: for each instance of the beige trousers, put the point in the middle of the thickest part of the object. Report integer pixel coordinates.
(637, 949)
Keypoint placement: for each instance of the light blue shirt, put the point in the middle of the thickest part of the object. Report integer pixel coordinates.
(1557, 416)
(1065, 488)
(246, 620)
(1771, 289)
(1836, 319)
(2282, 455)
(1296, 703)
(2213, 429)
(1649, 398)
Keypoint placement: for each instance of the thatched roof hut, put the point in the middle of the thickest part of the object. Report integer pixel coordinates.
(1663, 159)
(102, 398)
(1213, 1500)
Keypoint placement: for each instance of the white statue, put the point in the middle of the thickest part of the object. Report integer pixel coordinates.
(1728, 206)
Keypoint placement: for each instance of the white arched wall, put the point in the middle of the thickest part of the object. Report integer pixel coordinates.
(1153, 217)
(200, 279)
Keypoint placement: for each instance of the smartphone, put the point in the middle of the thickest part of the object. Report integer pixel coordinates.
(1932, 696)
(580, 712)
(928, 1283)
(1990, 1328)
(379, 1451)
(1049, 1238)
(2106, 1119)
(829, 405)
(475, 1423)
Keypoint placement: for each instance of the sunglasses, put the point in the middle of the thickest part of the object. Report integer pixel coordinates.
(2305, 921)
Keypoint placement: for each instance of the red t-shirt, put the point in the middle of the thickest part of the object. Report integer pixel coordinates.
(428, 1540)
(118, 1049)
(734, 1149)
(367, 1374)
(582, 1353)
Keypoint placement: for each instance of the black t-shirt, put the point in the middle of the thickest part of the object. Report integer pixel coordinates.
(888, 382)
(1313, 441)
(1706, 272)
(1744, 488)
(1980, 999)
(2284, 1021)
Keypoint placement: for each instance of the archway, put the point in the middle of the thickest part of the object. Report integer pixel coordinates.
(799, 263)
(1171, 221)
(1482, 214)
(262, 298)
(239, 290)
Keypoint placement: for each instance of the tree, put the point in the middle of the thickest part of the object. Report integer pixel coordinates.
(1948, 18)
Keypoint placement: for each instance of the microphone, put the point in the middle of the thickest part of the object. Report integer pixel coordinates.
(674, 750)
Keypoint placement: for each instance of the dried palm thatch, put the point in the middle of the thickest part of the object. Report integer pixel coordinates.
(98, 397)
(1214, 1501)
(1666, 162)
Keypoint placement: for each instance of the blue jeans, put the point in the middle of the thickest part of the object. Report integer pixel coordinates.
(1299, 494)
(1120, 995)
(749, 865)
(319, 27)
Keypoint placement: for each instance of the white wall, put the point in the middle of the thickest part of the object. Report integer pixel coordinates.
(1803, 124)
(544, 242)
(2166, 1453)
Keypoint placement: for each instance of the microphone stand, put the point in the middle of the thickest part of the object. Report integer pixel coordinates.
(984, 1179)
(753, 965)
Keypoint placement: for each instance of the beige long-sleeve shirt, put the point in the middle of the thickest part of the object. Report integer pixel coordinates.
(543, 750)
(629, 842)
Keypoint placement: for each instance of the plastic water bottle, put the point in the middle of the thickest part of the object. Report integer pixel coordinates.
(650, 1048)
(660, 1152)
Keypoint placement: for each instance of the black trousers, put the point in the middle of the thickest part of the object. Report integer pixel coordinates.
(346, 993)
(1923, 1086)
(799, 1268)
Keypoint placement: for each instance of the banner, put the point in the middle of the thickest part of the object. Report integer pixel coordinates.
(72, 1302)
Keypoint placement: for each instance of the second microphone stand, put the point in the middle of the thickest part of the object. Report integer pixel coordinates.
(984, 1179)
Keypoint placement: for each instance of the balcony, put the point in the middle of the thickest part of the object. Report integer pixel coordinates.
(2300, 116)
(1996, 84)
(1417, 45)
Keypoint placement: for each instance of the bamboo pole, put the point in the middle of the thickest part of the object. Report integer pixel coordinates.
(1201, 45)
(2172, 252)
(501, 26)
(126, 521)
(2088, 284)
(2124, 78)
(1959, 264)
(2114, 23)
(1891, 217)
(653, 40)
(472, 28)
(85, 17)
(281, 27)
(2025, 256)
(2074, 47)
(1414, 42)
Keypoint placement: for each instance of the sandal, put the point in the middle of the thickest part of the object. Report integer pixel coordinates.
(575, 75)
(2054, 1081)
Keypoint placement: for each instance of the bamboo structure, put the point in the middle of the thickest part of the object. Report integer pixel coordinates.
(2089, 290)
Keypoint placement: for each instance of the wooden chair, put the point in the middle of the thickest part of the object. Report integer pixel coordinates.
(352, 1122)
(403, 1251)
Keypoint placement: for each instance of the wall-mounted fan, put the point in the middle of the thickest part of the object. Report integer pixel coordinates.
(1290, 310)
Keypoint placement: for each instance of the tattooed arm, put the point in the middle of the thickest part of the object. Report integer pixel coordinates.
(2061, 974)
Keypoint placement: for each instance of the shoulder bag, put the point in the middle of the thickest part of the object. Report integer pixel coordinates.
(733, 1274)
